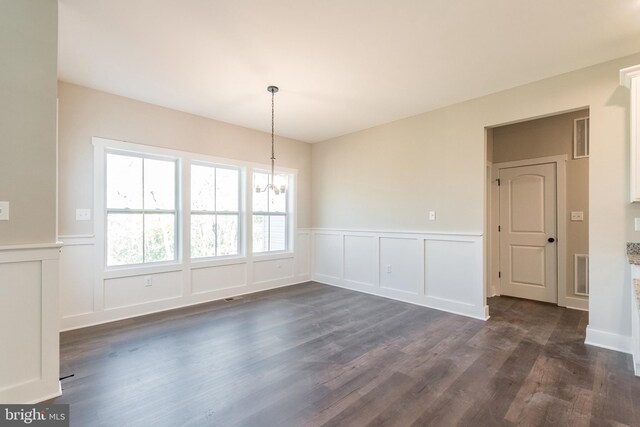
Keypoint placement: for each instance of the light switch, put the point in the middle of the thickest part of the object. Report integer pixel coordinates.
(4, 211)
(432, 215)
(637, 224)
(577, 216)
(83, 214)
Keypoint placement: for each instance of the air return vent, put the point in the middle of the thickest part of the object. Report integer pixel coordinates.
(581, 138)
(581, 274)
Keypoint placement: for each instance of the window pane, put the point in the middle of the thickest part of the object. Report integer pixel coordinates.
(124, 239)
(203, 236)
(278, 203)
(260, 233)
(159, 184)
(124, 182)
(227, 186)
(159, 237)
(278, 233)
(227, 235)
(202, 188)
(260, 200)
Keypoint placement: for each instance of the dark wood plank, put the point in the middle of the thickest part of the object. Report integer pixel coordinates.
(317, 355)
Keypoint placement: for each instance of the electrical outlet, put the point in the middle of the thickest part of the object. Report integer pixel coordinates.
(577, 216)
(83, 214)
(148, 281)
(388, 268)
(4, 211)
(432, 215)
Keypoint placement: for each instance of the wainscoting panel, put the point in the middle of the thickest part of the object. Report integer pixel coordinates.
(451, 268)
(92, 295)
(76, 271)
(303, 254)
(29, 316)
(327, 255)
(399, 264)
(136, 290)
(21, 299)
(442, 271)
(216, 278)
(360, 263)
(273, 269)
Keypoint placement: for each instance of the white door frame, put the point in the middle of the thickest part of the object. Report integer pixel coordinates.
(561, 219)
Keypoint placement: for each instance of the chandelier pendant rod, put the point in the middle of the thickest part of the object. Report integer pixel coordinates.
(273, 90)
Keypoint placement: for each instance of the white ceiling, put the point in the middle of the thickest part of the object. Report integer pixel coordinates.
(342, 65)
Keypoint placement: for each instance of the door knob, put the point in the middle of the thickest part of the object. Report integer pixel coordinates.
(551, 240)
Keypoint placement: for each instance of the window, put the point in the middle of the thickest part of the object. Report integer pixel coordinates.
(141, 214)
(270, 215)
(215, 213)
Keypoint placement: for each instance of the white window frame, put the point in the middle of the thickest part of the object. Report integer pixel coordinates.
(184, 261)
(143, 211)
(238, 213)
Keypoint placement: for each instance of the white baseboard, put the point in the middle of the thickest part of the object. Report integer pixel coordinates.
(577, 303)
(113, 315)
(454, 307)
(608, 340)
(435, 270)
(47, 396)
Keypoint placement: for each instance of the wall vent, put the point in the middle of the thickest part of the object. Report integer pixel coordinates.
(581, 274)
(581, 138)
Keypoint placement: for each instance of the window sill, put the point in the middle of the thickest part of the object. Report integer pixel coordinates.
(267, 256)
(141, 269)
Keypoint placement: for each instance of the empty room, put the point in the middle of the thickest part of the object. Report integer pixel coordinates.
(319, 213)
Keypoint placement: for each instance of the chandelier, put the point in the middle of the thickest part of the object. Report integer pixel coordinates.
(277, 189)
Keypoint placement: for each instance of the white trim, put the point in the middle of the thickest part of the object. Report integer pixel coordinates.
(42, 383)
(30, 246)
(608, 340)
(441, 304)
(104, 143)
(574, 303)
(472, 302)
(410, 233)
(630, 77)
(628, 74)
(561, 220)
(65, 237)
(250, 272)
(131, 311)
(529, 162)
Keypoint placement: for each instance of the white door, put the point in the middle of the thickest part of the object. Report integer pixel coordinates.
(528, 243)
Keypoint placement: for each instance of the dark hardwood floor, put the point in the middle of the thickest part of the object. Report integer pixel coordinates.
(318, 355)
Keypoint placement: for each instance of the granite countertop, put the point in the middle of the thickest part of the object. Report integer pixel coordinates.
(633, 253)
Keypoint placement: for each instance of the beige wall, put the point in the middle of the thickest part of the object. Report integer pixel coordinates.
(388, 177)
(85, 113)
(28, 68)
(552, 136)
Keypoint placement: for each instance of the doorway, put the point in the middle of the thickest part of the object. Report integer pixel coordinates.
(537, 218)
